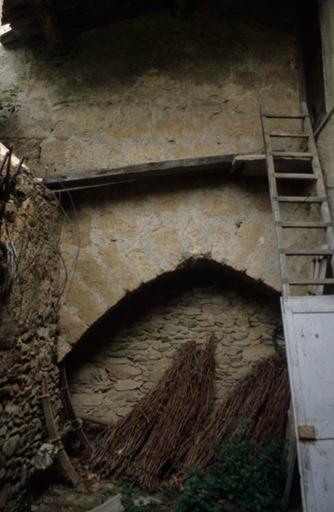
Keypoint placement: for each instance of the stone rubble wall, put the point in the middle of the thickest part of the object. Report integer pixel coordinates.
(129, 360)
(22, 422)
(28, 336)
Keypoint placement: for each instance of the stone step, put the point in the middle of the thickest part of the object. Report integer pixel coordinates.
(114, 504)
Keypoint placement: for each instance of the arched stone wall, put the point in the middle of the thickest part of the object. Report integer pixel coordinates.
(124, 356)
(130, 236)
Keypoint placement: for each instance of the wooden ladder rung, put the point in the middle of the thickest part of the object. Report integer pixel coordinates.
(307, 252)
(284, 116)
(309, 282)
(301, 224)
(292, 155)
(313, 175)
(300, 199)
(290, 135)
(295, 176)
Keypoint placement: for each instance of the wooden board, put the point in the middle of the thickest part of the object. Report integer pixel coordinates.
(225, 166)
(15, 161)
(309, 327)
(142, 172)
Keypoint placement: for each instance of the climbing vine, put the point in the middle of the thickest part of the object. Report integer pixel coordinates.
(253, 481)
(9, 102)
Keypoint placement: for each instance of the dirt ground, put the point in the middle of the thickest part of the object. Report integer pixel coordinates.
(91, 492)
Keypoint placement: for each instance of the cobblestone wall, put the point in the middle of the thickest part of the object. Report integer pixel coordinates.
(28, 334)
(22, 423)
(129, 358)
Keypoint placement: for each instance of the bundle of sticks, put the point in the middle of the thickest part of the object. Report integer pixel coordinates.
(257, 408)
(175, 427)
(153, 440)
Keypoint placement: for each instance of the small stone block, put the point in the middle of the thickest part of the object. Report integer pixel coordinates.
(114, 504)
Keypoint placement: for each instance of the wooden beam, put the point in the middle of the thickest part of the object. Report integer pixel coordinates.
(181, 8)
(140, 173)
(6, 33)
(221, 165)
(20, 24)
(8, 37)
(49, 24)
(54, 437)
(14, 162)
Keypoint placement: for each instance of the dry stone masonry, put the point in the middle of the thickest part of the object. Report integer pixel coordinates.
(129, 359)
(29, 331)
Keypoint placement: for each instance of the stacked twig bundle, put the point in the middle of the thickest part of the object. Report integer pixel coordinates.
(256, 408)
(155, 437)
(174, 427)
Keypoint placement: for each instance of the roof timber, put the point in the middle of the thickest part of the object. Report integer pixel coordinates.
(222, 165)
(60, 20)
(15, 162)
(49, 23)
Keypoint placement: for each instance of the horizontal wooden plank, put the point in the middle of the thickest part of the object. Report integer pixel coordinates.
(309, 282)
(300, 199)
(295, 176)
(307, 252)
(290, 135)
(284, 116)
(297, 155)
(189, 167)
(305, 224)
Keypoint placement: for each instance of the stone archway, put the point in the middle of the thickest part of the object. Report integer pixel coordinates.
(129, 238)
(124, 355)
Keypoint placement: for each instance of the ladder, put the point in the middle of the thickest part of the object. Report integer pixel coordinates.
(314, 176)
(296, 187)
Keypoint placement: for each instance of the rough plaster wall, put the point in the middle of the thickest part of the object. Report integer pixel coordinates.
(326, 16)
(130, 360)
(325, 146)
(149, 89)
(131, 236)
(326, 137)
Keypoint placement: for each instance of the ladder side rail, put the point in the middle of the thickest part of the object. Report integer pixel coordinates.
(320, 184)
(274, 202)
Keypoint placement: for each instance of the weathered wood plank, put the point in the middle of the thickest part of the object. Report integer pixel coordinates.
(69, 409)
(14, 160)
(54, 437)
(308, 327)
(220, 165)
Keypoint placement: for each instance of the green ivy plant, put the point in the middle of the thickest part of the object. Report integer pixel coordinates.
(8, 101)
(252, 481)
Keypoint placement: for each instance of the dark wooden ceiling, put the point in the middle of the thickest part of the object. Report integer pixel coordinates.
(61, 19)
